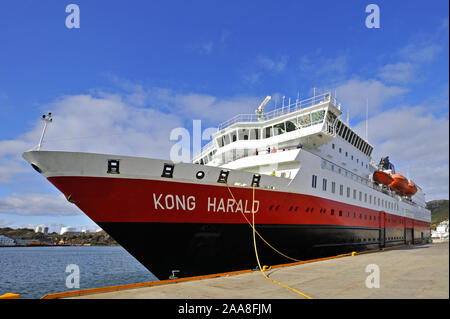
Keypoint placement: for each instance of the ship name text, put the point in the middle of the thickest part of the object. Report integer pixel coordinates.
(214, 204)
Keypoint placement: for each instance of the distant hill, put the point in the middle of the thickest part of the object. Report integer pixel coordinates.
(100, 238)
(439, 211)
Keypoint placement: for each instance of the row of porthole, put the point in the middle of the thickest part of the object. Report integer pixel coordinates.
(324, 211)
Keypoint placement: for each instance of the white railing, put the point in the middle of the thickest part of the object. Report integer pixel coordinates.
(293, 107)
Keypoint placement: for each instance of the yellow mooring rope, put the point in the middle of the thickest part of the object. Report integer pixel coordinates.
(253, 227)
(256, 250)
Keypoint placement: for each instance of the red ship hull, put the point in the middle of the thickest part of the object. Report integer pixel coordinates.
(199, 229)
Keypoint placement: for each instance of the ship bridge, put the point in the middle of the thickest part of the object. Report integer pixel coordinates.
(304, 124)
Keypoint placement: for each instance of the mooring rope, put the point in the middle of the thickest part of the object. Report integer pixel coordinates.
(256, 249)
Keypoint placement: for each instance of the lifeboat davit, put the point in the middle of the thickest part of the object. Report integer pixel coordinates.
(410, 189)
(399, 184)
(382, 177)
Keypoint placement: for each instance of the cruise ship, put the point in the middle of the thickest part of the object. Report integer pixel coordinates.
(301, 175)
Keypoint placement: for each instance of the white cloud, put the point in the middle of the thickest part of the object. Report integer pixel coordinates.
(319, 66)
(415, 140)
(5, 223)
(37, 205)
(400, 72)
(423, 52)
(354, 93)
(275, 64)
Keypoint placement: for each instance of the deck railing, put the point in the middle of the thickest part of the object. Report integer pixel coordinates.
(293, 107)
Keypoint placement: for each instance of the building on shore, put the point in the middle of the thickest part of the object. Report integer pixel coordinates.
(67, 230)
(6, 241)
(441, 232)
(41, 229)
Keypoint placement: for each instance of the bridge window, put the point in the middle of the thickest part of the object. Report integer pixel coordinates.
(317, 117)
(291, 126)
(254, 134)
(279, 128)
(268, 132)
(305, 120)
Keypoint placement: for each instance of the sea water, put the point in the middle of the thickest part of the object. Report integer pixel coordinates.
(36, 271)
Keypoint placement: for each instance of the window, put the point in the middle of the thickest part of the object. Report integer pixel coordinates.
(291, 126)
(348, 192)
(317, 117)
(332, 146)
(346, 154)
(340, 150)
(354, 194)
(333, 187)
(324, 184)
(341, 190)
(314, 181)
(332, 212)
(340, 213)
(278, 129)
(365, 197)
(268, 132)
(305, 120)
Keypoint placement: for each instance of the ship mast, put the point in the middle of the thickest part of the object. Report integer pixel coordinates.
(47, 119)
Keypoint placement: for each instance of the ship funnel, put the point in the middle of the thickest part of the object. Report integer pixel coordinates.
(260, 110)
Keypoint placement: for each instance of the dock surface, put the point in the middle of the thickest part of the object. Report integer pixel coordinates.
(420, 271)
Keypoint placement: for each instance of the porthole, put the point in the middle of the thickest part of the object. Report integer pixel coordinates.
(296, 207)
(278, 206)
(200, 174)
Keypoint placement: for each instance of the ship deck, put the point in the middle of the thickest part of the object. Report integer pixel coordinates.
(408, 272)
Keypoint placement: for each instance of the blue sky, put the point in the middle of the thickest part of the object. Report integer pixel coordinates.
(164, 63)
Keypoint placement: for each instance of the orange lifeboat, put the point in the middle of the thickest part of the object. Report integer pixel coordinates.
(382, 177)
(410, 189)
(399, 184)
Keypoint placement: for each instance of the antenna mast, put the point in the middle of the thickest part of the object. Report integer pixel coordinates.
(367, 119)
(47, 119)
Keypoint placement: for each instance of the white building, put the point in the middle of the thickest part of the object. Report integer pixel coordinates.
(6, 241)
(41, 229)
(441, 231)
(68, 230)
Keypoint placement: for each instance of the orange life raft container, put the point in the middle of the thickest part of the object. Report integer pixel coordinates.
(382, 177)
(399, 184)
(410, 189)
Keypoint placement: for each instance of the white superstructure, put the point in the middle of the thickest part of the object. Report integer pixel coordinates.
(308, 144)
